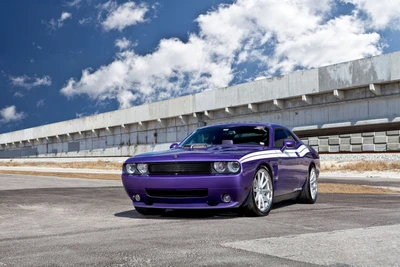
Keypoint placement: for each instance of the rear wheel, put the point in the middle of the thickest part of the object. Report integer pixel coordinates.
(310, 190)
(259, 202)
(146, 211)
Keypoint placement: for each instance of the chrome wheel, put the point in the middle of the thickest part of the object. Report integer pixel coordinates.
(313, 184)
(262, 190)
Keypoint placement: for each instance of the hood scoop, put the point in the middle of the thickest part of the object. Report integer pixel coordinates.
(198, 147)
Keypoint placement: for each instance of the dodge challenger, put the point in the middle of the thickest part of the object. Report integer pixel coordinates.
(247, 166)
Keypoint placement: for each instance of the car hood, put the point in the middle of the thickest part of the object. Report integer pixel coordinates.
(212, 153)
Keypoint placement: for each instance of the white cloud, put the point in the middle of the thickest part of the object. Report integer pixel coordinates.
(29, 82)
(277, 36)
(84, 114)
(259, 78)
(65, 15)
(54, 24)
(40, 103)
(74, 3)
(10, 113)
(80, 115)
(382, 13)
(37, 46)
(85, 21)
(124, 15)
(18, 94)
(125, 99)
(122, 43)
(328, 44)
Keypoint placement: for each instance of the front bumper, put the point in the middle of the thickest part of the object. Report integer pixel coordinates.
(216, 185)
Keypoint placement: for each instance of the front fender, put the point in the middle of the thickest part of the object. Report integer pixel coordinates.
(250, 169)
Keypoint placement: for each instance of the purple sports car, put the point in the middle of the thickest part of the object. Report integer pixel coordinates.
(246, 166)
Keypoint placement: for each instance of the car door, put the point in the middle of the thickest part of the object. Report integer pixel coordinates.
(303, 161)
(288, 161)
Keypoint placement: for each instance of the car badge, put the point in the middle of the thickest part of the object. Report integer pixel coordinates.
(175, 156)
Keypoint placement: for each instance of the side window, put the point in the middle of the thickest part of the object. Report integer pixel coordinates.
(280, 136)
(290, 136)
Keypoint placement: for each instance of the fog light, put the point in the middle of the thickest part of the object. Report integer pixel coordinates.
(226, 198)
(136, 197)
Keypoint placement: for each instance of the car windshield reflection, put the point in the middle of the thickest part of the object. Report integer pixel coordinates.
(248, 135)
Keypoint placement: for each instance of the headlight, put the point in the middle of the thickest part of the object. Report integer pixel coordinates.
(233, 167)
(143, 168)
(220, 166)
(226, 167)
(130, 168)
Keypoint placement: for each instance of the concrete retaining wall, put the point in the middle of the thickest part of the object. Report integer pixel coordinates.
(102, 146)
(352, 98)
(360, 112)
(356, 142)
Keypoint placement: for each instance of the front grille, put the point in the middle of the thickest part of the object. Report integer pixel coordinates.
(180, 168)
(177, 193)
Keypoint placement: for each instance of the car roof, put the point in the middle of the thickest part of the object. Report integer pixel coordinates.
(238, 124)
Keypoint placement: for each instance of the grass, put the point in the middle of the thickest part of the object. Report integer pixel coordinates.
(352, 189)
(360, 166)
(100, 176)
(100, 164)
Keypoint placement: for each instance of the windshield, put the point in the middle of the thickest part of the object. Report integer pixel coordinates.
(246, 135)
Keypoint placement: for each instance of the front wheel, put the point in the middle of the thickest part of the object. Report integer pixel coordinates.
(259, 202)
(310, 189)
(146, 211)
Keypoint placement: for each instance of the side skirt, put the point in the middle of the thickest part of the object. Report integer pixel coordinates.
(287, 196)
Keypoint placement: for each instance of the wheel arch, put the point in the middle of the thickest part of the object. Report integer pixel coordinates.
(248, 206)
(315, 166)
(312, 164)
(257, 166)
(268, 166)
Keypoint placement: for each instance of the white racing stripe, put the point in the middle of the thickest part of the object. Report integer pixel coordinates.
(260, 156)
(302, 154)
(268, 152)
(276, 153)
(302, 148)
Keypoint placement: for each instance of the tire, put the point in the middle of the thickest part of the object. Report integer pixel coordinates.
(310, 190)
(146, 211)
(260, 199)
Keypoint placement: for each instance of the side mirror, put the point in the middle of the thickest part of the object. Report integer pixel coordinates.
(288, 144)
(174, 145)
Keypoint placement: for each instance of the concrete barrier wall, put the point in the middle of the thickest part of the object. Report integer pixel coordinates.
(326, 110)
(355, 95)
(116, 141)
(360, 109)
(387, 141)
(356, 142)
(380, 69)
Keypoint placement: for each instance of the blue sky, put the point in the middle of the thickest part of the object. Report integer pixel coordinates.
(61, 60)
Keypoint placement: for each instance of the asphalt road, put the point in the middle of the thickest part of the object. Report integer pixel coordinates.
(73, 222)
